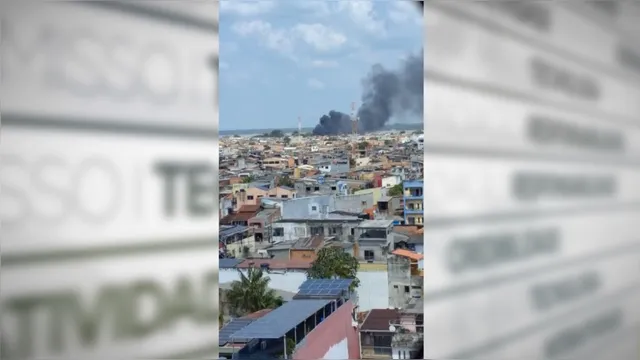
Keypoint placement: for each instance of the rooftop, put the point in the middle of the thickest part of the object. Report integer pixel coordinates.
(275, 264)
(279, 321)
(379, 319)
(408, 254)
(375, 224)
(229, 230)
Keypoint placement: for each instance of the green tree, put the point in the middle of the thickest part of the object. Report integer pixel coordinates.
(266, 147)
(363, 145)
(335, 263)
(396, 190)
(387, 142)
(286, 140)
(248, 179)
(285, 181)
(252, 293)
(276, 133)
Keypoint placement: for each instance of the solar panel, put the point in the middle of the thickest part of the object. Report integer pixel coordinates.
(324, 287)
(278, 322)
(228, 263)
(232, 327)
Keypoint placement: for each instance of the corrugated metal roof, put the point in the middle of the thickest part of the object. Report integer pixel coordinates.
(278, 322)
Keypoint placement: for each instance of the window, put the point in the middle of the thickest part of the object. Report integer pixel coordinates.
(284, 196)
(278, 231)
(272, 196)
(364, 203)
(395, 286)
(369, 255)
(406, 289)
(333, 188)
(300, 231)
(314, 208)
(249, 197)
(317, 230)
(317, 188)
(308, 189)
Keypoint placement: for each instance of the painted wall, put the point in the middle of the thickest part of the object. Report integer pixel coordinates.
(371, 293)
(334, 339)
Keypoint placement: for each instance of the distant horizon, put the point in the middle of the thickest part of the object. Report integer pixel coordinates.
(396, 126)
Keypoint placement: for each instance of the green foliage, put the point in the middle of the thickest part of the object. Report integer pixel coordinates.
(287, 140)
(396, 190)
(363, 145)
(334, 262)
(285, 181)
(248, 179)
(252, 293)
(387, 142)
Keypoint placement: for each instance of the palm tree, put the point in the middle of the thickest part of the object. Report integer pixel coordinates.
(251, 293)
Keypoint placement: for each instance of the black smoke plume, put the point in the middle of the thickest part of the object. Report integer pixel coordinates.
(386, 94)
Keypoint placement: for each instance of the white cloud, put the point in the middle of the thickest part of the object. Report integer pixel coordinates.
(315, 83)
(246, 8)
(319, 36)
(363, 15)
(405, 12)
(276, 39)
(315, 7)
(324, 63)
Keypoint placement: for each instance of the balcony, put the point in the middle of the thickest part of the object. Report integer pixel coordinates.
(413, 194)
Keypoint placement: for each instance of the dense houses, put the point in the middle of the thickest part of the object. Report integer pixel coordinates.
(282, 199)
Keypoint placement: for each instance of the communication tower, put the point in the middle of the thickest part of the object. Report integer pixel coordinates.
(299, 130)
(354, 131)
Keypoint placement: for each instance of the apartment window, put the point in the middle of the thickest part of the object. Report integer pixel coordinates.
(314, 208)
(317, 230)
(308, 189)
(278, 231)
(284, 196)
(363, 203)
(406, 289)
(317, 188)
(272, 196)
(300, 231)
(249, 197)
(333, 188)
(369, 255)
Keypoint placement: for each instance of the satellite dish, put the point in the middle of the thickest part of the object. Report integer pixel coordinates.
(392, 328)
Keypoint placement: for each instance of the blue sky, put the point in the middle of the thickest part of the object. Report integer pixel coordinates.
(287, 58)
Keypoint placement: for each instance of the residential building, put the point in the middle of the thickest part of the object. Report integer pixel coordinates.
(262, 222)
(238, 240)
(413, 202)
(304, 249)
(373, 240)
(405, 277)
(375, 335)
(407, 341)
(241, 217)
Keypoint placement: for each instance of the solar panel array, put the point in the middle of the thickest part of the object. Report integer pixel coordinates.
(228, 263)
(231, 328)
(278, 322)
(324, 287)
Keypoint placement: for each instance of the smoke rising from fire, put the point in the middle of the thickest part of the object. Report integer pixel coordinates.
(386, 94)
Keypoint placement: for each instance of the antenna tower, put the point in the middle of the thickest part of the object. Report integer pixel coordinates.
(354, 130)
(299, 130)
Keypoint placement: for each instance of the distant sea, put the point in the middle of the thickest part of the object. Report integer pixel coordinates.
(251, 132)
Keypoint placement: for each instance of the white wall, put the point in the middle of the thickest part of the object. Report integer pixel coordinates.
(390, 181)
(339, 351)
(373, 292)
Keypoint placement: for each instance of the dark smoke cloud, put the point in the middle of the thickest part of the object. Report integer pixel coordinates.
(386, 94)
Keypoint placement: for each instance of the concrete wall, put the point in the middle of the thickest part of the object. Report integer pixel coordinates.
(236, 248)
(372, 293)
